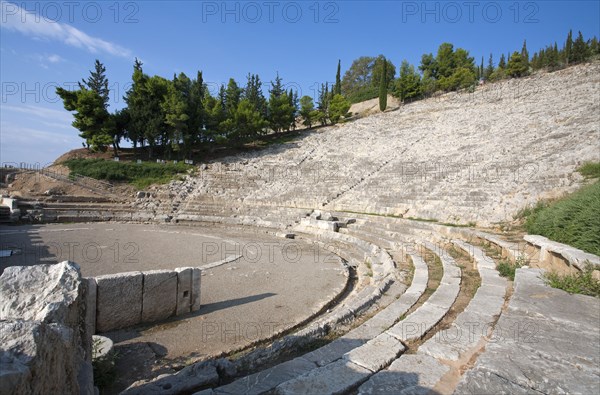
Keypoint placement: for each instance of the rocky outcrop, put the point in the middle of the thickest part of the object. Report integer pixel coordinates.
(45, 344)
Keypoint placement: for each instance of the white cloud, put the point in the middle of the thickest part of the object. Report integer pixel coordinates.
(17, 19)
(45, 60)
(54, 58)
(47, 114)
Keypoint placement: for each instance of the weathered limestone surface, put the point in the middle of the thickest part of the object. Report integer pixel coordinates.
(184, 290)
(187, 380)
(196, 288)
(335, 378)
(376, 353)
(548, 342)
(119, 302)
(267, 379)
(90, 301)
(159, 296)
(459, 157)
(410, 374)
(574, 256)
(46, 293)
(45, 343)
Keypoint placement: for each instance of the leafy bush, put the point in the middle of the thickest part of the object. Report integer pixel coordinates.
(579, 283)
(105, 373)
(507, 269)
(139, 174)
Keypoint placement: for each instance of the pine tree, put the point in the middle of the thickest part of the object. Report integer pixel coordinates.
(580, 49)
(253, 92)
(408, 84)
(98, 82)
(307, 111)
(135, 99)
(197, 112)
(233, 94)
(137, 65)
(90, 103)
(175, 108)
(594, 47)
(338, 108)
(516, 65)
(280, 109)
(323, 104)
(337, 89)
(383, 88)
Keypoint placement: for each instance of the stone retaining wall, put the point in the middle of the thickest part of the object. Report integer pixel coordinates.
(132, 298)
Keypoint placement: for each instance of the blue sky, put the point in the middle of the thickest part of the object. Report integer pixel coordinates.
(44, 44)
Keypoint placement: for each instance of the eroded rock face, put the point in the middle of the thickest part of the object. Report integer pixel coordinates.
(46, 293)
(44, 344)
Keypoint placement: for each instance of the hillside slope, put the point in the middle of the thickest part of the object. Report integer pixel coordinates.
(461, 157)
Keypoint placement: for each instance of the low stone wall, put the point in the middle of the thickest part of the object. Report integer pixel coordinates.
(549, 250)
(127, 299)
(45, 342)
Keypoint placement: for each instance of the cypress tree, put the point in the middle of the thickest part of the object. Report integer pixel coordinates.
(337, 89)
(525, 54)
(594, 47)
(489, 69)
(502, 62)
(383, 87)
(569, 48)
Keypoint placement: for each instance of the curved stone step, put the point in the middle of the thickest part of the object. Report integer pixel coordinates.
(419, 373)
(419, 322)
(357, 365)
(324, 356)
(376, 324)
(547, 342)
(477, 319)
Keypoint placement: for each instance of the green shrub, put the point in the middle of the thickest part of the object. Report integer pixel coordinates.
(105, 372)
(507, 269)
(139, 174)
(579, 283)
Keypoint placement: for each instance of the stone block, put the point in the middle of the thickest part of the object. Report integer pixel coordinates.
(119, 302)
(376, 353)
(159, 299)
(268, 379)
(90, 305)
(409, 374)
(336, 378)
(184, 290)
(196, 288)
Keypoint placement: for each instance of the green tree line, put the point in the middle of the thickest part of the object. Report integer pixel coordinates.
(171, 117)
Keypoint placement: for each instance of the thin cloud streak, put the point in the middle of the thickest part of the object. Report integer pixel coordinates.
(32, 25)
